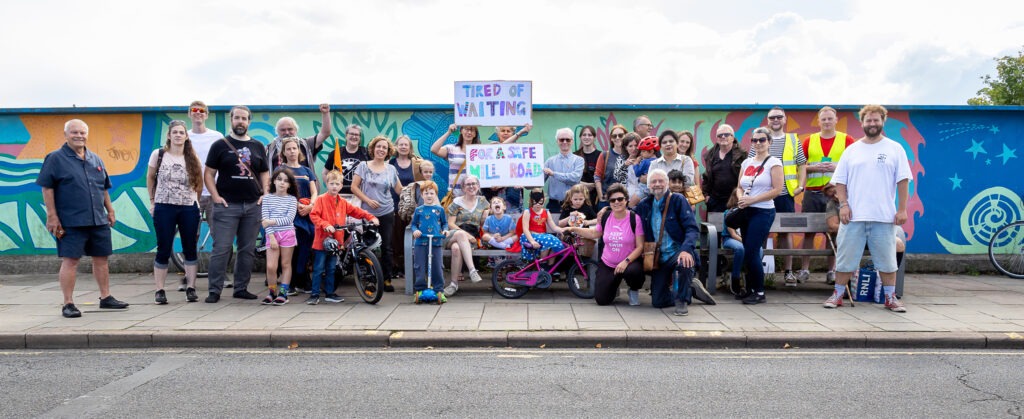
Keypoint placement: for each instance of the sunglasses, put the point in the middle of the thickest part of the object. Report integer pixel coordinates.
(617, 199)
(565, 140)
(776, 117)
(724, 135)
(197, 110)
(759, 140)
(618, 135)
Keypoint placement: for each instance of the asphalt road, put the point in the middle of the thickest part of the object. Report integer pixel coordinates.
(510, 383)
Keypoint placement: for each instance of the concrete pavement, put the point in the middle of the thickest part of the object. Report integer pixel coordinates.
(944, 311)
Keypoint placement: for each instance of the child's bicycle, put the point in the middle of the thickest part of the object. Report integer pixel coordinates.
(513, 278)
(356, 257)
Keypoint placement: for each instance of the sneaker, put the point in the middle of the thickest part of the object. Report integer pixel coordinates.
(388, 287)
(212, 298)
(313, 300)
(754, 298)
(244, 295)
(229, 285)
(441, 299)
(190, 295)
(803, 275)
(681, 309)
(791, 280)
(333, 298)
(836, 300)
(701, 293)
(491, 263)
(296, 291)
(742, 295)
(70, 311)
(111, 302)
(830, 278)
(893, 304)
(184, 283)
(268, 300)
(416, 297)
(281, 300)
(634, 297)
(474, 276)
(451, 289)
(161, 297)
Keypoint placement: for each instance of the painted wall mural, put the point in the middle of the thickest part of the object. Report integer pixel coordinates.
(962, 158)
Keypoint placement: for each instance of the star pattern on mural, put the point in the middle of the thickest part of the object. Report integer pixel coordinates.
(976, 148)
(988, 161)
(1007, 154)
(994, 129)
(956, 181)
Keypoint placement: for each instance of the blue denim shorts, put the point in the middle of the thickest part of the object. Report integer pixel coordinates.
(85, 241)
(880, 239)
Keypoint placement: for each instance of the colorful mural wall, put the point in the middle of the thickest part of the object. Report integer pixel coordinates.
(962, 158)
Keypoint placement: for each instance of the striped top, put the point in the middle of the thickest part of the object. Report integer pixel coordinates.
(281, 209)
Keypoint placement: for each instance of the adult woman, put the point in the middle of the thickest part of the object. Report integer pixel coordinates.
(407, 164)
(623, 174)
(292, 157)
(465, 216)
(591, 155)
(174, 181)
(671, 159)
(373, 181)
(623, 241)
(686, 146)
(612, 159)
(455, 153)
(761, 180)
(722, 169)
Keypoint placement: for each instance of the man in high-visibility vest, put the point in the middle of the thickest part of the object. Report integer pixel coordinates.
(786, 147)
(823, 150)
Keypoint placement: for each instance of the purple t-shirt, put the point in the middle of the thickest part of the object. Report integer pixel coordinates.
(619, 240)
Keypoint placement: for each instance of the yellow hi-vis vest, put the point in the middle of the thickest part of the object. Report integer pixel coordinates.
(789, 162)
(815, 154)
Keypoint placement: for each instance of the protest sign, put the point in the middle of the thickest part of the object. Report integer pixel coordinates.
(512, 164)
(494, 103)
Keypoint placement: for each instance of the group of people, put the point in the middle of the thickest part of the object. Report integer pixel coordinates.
(624, 197)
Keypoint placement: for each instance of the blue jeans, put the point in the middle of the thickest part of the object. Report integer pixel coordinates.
(419, 267)
(754, 235)
(323, 272)
(737, 255)
(165, 218)
(239, 223)
(671, 282)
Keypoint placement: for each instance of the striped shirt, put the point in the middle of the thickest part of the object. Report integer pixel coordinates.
(281, 209)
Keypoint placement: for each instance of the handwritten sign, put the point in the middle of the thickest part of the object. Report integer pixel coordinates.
(494, 103)
(499, 165)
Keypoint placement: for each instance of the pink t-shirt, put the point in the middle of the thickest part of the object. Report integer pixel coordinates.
(619, 240)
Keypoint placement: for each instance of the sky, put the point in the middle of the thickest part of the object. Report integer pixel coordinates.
(257, 52)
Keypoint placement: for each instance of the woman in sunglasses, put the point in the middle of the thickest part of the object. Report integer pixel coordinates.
(609, 162)
(761, 180)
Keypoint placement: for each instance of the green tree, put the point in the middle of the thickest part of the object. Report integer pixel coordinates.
(1007, 88)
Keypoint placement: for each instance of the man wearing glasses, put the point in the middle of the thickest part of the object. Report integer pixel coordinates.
(562, 171)
(309, 146)
(722, 168)
(642, 126)
(786, 147)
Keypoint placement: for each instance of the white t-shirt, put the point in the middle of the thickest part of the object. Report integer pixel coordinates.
(870, 173)
(201, 143)
(172, 185)
(762, 182)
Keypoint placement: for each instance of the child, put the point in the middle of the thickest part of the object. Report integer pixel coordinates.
(429, 219)
(305, 179)
(278, 216)
(577, 209)
(533, 226)
(647, 147)
(676, 182)
(330, 210)
(499, 229)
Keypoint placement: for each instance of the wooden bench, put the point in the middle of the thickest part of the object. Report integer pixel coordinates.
(803, 223)
(409, 277)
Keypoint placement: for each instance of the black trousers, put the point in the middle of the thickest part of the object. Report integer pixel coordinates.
(607, 282)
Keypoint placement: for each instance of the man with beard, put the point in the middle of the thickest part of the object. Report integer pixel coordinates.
(346, 158)
(244, 174)
(871, 174)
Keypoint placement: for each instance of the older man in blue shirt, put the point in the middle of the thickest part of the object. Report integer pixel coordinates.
(79, 213)
(562, 171)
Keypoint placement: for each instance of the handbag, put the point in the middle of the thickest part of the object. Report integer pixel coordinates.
(652, 250)
(738, 218)
(450, 196)
(693, 194)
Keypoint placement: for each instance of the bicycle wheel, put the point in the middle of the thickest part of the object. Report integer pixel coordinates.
(1006, 250)
(369, 276)
(581, 283)
(504, 288)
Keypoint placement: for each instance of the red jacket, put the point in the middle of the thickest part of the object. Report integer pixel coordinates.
(331, 210)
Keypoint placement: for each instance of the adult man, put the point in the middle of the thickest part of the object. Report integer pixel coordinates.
(309, 146)
(202, 138)
(677, 249)
(642, 126)
(722, 168)
(79, 213)
(872, 173)
(244, 174)
(562, 170)
(823, 150)
(786, 147)
(347, 158)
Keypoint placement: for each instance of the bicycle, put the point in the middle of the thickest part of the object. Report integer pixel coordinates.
(513, 278)
(357, 257)
(1006, 250)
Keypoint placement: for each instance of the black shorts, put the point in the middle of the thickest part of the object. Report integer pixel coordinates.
(785, 203)
(814, 201)
(85, 241)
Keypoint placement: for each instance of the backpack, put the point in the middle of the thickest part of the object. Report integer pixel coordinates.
(604, 224)
(408, 201)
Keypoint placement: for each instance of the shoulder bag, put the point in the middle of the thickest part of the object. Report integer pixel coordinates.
(652, 250)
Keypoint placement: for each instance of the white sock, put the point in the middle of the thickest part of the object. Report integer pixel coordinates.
(840, 289)
(889, 290)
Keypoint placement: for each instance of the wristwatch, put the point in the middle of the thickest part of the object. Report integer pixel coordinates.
(627, 260)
